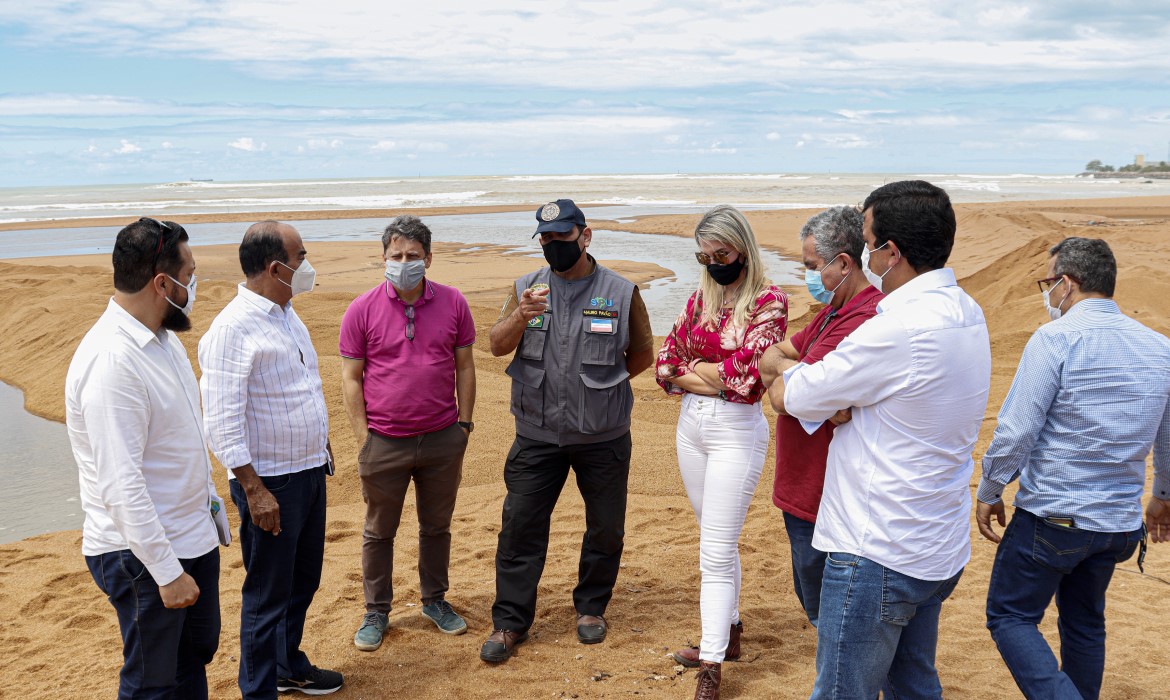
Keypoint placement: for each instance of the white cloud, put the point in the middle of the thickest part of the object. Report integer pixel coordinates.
(246, 143)
(635, 43)
(1059, 132)
(842, 141)
(718, 148)
(655, 85)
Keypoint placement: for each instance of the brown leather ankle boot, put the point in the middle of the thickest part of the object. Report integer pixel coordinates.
(733, 642)
(708, 681)
(689, 657)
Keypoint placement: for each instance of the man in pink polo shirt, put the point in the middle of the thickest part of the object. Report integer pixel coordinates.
(408, 380)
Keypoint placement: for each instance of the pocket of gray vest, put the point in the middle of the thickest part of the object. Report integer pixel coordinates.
(598, 349)
(527, 394)
(532, 344)
(607, 399)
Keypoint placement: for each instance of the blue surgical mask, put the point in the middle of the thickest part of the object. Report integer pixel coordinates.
(812, 280)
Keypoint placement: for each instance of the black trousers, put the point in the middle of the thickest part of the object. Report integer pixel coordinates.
(165, 650)
(283, 574)
(534, 474)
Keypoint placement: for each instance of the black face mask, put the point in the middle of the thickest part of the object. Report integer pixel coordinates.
(562, 255)
(726, 274)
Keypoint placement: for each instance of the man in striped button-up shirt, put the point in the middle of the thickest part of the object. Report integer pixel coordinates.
(1088, 402)
(265, 417)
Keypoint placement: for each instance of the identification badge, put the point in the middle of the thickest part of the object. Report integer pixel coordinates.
(599, 313)
(601, 325)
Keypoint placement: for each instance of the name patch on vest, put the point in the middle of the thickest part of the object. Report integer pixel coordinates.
(601, 325)
(599, 313)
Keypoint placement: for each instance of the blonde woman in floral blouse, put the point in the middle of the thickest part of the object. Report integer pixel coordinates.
(711, 359)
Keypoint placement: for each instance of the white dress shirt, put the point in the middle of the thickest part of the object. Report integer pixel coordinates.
(897, 483)
(132, 413)
(262, 398)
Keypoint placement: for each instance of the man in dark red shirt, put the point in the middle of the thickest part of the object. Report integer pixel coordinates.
(831, 249)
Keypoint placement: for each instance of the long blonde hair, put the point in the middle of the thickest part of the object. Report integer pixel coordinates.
(727, 225)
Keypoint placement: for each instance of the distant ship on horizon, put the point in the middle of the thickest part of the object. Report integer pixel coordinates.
(200, 179)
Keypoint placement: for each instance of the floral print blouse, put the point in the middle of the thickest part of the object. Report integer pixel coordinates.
(736, 349)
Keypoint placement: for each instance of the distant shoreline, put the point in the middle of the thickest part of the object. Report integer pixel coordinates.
(1126, 176)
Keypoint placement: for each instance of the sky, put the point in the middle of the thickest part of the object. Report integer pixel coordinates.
(115, 91)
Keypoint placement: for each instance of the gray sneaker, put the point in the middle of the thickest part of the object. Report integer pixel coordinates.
(369, 635)
(444, 617)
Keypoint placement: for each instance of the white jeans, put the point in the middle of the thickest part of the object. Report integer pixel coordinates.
(721, 450)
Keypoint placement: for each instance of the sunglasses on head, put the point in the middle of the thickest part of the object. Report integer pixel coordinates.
(163, 229)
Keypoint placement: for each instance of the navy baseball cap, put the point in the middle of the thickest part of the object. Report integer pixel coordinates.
(559, 216)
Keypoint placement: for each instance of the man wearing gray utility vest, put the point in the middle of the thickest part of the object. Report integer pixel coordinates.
(580, 332)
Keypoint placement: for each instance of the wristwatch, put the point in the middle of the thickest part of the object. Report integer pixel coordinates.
(467, 425)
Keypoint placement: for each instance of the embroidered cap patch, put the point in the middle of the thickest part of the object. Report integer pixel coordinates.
(550, 212)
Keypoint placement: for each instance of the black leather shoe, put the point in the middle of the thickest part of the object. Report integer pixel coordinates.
(591, 629)
(499, 647)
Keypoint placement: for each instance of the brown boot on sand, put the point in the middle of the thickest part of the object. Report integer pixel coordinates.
(689, 657)
(708, 681)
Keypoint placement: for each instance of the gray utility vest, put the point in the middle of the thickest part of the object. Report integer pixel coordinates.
(569, 380)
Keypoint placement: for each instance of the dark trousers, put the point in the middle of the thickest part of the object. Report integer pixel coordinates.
(165, 651)
(534, 474)
(283, 573)
(386, 466)
(808, 565)
(1035, 561)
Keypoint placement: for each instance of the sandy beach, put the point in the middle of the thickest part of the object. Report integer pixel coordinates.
(59, 636)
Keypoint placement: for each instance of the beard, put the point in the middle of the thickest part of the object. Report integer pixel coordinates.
(175, 320)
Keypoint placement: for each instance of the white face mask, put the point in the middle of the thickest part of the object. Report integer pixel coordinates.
(874, 278)
(303, 279)
(185, 308)
(405, 276)
(1054, 312)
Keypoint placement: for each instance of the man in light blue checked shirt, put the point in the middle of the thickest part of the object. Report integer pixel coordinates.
(1088, 403)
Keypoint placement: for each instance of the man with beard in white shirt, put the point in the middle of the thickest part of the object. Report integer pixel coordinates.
(132, 412)
(894, 518)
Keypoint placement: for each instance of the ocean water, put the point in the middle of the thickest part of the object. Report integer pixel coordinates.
(640, 193)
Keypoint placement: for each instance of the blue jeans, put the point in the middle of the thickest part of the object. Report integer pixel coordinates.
(165, 651)
(878, 630)
(283, 573)
(808, 565)
(1035, 561)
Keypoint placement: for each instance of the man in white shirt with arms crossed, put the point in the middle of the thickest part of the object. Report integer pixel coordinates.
(132, 412)
(894, 518)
